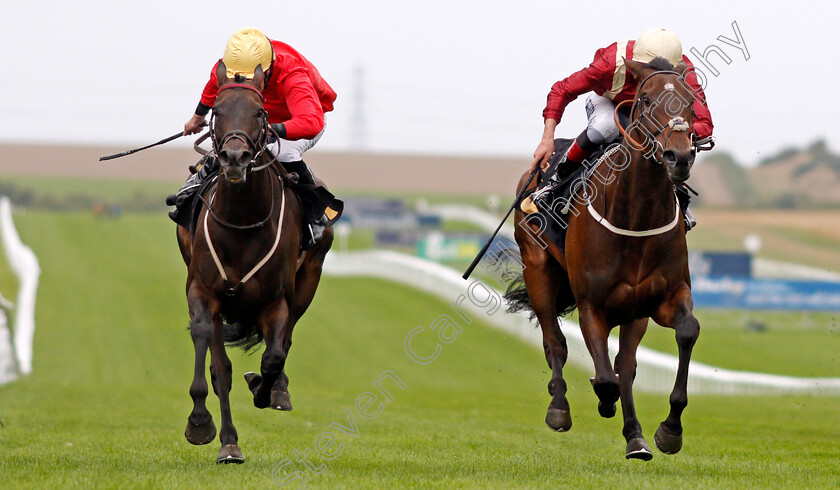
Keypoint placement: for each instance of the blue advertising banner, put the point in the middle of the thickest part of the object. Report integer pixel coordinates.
(765, 294)
(719, 263)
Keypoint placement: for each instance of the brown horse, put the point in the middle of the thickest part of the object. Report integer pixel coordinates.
(625, 259)
(246, 279)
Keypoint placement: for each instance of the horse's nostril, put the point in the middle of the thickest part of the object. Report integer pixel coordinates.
(234, 157)
(669, 157)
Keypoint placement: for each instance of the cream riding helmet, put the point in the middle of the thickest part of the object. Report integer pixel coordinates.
(246, 49)
(658, 42)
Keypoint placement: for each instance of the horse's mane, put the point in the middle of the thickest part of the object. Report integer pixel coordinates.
(660, 64)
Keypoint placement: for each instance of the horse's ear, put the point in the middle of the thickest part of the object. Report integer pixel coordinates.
(635, 68)
(681, 68)
(259, 77)
(221, 73)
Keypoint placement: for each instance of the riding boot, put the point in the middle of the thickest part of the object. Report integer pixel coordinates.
(314, 231)
(200, 172)
(684, 198)
(305, 176)
(565, 168)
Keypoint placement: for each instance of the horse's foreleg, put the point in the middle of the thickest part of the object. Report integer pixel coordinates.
(220, 374)
(200, 427)
(677, 315)
(542, 284)
(625, 364)
(274, 322)
(595, 332)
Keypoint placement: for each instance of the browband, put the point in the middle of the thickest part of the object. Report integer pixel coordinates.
(242, 85)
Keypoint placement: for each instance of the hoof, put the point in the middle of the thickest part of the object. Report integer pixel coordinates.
(280, 400)
(253, 380)
(230, 453)
(606, 410)
(200, 434)
(558, 420)
(666, 442)
(637, 448)
(608, 394)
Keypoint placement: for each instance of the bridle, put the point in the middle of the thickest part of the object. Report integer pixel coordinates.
(256, 148)
(677, 123)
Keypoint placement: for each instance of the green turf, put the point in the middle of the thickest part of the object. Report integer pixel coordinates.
(107, 404)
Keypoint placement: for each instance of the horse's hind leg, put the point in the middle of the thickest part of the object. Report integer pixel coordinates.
(625, 364)
(280, 398)
(307, 278)
(595, 332)
(308, 275)
(677, 314)
(542, 277)
(220, 374)
(200, 427)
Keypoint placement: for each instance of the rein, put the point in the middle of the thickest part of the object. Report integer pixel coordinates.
(224, 223)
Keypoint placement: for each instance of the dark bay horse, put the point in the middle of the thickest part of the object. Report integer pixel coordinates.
(625, 259)
(246, 280)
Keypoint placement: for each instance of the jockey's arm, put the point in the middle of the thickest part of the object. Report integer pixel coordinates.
(194, 125)
(546, 146)
(208, 96)
(596, 75)
(302, 100)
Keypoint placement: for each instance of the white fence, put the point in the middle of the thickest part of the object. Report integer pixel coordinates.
(24, 264)
(655, 372)
(762, 268)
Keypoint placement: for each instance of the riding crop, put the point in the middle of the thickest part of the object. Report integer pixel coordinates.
(490, 240)
(129, 152)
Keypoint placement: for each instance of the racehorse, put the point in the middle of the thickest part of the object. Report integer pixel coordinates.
(625, 258)
(247, 280)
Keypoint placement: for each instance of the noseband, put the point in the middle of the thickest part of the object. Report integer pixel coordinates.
(257, 148)
(677, 123)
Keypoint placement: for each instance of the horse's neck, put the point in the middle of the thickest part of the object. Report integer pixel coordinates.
(246, 203)
(639, 197)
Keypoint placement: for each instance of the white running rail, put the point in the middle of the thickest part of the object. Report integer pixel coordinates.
(762, 268)
(655, 372)
(24, 264)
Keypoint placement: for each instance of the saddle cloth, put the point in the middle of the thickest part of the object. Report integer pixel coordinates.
(552, 218)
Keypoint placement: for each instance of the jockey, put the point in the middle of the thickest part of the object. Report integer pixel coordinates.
(295, 96)
(606, 77)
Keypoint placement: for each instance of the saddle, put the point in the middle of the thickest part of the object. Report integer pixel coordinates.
(554, 207)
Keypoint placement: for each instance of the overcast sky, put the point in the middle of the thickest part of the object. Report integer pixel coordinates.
(464, 77)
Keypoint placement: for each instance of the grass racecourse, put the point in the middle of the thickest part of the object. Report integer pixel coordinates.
(108, 401)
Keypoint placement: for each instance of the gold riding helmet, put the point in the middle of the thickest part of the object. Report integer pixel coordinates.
(658, 42)
(246, 49)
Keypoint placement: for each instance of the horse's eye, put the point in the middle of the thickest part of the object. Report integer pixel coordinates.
(645, 99)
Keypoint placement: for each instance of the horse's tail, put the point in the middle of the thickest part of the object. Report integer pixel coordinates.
(518, 300)
(246, 336)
